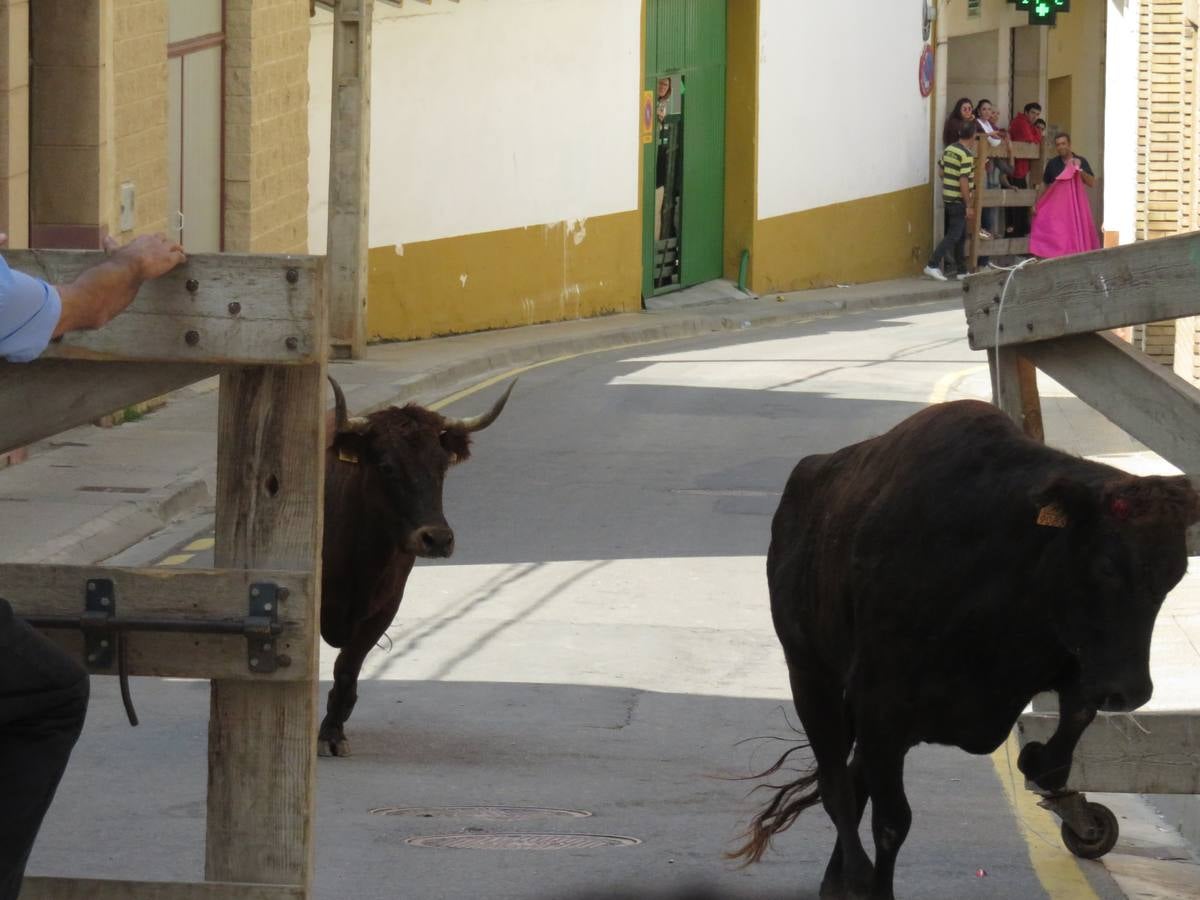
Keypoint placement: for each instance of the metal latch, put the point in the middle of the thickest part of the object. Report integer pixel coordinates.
(104, 631)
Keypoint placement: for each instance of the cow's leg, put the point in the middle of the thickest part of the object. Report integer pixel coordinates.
(823, 715)
(1049, 765)
(891, 815)
(858, 777)
(331, 739)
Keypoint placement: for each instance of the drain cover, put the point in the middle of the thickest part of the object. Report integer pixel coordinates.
(522, 841)
(491, 813)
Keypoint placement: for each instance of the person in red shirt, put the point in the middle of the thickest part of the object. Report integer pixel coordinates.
(1022, 129)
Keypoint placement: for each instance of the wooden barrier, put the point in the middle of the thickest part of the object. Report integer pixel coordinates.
(1054, 316)
(260, 321)
(1024, 198)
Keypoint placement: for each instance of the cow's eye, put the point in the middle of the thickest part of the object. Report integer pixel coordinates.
(386, 468)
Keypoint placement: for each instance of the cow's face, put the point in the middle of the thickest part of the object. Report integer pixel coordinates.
(1117, 553)
(405, 453)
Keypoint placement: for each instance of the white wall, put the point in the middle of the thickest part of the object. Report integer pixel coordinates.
(1121, 119)
(825, 70)
(489, 114)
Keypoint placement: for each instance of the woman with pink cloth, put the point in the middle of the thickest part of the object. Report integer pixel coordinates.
(1063, 222)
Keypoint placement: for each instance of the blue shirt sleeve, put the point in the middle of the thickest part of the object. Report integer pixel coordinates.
(29, 311)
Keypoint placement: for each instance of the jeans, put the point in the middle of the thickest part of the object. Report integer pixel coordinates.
(1019, 216)
(950, 247)
(43, 701)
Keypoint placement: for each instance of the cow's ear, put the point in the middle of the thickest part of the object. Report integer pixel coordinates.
(457, 443)
(351, 447)
(1066, 503)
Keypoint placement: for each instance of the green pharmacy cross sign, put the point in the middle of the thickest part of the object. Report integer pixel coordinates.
(1043, 12)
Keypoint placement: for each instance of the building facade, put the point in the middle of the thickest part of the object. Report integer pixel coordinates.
(123, 117)
(521, 153)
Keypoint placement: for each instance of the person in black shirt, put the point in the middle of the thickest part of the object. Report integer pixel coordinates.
(1056, 166)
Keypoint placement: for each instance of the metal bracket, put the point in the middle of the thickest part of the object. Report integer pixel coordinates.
(99, 640)
(261, 626)
(1071, 807)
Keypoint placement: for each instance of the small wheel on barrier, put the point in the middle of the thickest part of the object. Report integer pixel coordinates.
(1105, 838)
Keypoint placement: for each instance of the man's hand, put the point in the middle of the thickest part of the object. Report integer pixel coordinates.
(103, 291)
(153, 254)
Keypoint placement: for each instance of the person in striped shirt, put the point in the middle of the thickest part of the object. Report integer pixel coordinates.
(958, 184)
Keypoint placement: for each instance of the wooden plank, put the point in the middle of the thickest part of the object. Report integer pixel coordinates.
(1004, 247)
(262, 737)
(1004, 198)
(244, 309)
(349, 170)
(43, 888)
(1020, 150)
(172, 594)
(43, 398)
(1014, 390)
(1159, 753)
(975, 213)
(1152, 403)
(1148, 281)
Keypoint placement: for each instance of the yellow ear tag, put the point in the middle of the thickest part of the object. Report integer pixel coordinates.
(347, 456)
(1052, 516)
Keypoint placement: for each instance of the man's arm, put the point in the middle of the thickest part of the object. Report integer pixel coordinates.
(1085, 172)
(99, 293)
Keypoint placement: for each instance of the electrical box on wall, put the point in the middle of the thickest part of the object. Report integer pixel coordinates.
(127, 220)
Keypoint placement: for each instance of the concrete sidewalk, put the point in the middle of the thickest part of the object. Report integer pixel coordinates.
(90, 492)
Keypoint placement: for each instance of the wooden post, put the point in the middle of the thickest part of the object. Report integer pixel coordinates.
(349, 179)
(975, 212)
(1015, 391)
(262, 736)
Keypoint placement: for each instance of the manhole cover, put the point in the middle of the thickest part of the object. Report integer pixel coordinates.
(522, 841)
(491, 813)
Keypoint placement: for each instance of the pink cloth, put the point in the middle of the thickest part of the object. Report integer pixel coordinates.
(1063, 224)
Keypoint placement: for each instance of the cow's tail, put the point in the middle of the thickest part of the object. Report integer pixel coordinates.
(784, 808)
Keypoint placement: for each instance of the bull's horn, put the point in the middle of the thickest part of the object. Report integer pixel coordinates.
(341, 422)
(478, 423)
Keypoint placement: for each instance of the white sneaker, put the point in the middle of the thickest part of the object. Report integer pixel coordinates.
(935, 274)
(961, 275)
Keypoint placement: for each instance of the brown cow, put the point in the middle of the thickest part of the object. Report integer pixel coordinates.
(383, 508)
(925, 584)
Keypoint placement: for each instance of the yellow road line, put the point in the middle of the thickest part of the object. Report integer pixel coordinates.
(949, 381)
(1057, 869)
(177, 559)
(511, 373)
(205, 543)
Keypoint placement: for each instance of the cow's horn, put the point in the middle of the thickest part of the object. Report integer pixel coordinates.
(478, 423)
(341, 422)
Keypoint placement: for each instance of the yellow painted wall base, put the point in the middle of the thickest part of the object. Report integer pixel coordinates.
(499, 279)
(876, 238)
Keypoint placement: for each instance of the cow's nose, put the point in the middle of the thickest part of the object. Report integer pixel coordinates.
(435, 540)
(1128, 698)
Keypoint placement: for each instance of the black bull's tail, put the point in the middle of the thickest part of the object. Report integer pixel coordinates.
(788, 802)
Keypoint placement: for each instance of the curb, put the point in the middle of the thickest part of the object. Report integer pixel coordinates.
(121, 527)
(452, 375)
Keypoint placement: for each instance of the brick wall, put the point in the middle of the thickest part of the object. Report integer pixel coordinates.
(1167, 123)
(14, 121)
(266, 130)
(70, 163)
(140, 112)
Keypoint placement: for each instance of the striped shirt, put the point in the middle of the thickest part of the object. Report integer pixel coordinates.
(957, 161)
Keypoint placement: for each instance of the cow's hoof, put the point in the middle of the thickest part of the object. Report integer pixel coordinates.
(333, 747)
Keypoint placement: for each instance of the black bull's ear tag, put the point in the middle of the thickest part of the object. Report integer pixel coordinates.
(1052, 516)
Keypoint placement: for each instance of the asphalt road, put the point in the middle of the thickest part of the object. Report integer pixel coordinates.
(600, 643)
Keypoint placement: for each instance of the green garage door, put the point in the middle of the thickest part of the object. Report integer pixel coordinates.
(684, 167)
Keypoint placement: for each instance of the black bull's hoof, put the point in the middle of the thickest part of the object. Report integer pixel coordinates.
(331, 744)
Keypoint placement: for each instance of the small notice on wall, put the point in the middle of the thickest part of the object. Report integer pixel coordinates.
(647, 117)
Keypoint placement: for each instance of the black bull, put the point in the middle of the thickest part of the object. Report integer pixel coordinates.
(383, 508)
(926, 584)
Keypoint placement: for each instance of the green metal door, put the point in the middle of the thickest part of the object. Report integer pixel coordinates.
(686, 40)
